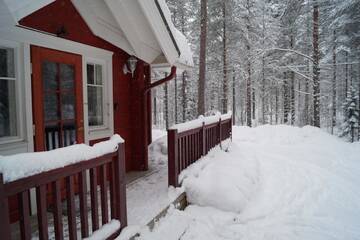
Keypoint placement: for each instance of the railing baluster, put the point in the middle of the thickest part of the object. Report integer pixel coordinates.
(25, 227)
(42, 212)
(94, 200)
(83, 205)
(192, 148)
(183, 153)
(104, 196)
(4, 212)
(71, 207)
(58, 224)
(179, 156)
(112, 190)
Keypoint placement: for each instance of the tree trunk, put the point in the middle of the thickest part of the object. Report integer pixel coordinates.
(292, 87)
(248, 95)
(248, 82)
(346, 74)
(316, 68)
(263, 82)
(234, 99)
(184, 98)
(333, 117)
(202, 60)
(359, 102)
(225, 81)
(307, 82)
(176, 100)
(276, 105)
(286, 99)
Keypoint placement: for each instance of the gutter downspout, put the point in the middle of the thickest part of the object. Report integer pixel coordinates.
(147, 107)
(161, 81)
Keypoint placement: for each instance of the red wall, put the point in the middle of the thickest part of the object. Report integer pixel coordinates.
(127, 92)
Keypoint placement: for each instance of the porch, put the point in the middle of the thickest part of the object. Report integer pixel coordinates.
(147, 193)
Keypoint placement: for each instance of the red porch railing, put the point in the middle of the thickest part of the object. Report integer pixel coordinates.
(187, 146)
(111, 181)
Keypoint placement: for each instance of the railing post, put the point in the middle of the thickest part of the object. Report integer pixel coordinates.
(120, 185)
(173, 164)
(203, 135)
(4, 212)
(220, 134)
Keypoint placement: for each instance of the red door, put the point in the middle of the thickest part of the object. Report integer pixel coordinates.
(57, 98)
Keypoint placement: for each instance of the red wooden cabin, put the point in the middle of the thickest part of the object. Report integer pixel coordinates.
(66, 72)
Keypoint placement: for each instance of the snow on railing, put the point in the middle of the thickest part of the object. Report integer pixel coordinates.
(23, 165)
(197, 123)
(65, 172)
(188, 142)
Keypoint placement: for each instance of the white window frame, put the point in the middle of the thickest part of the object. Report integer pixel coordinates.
(107, 129)
(19, 85)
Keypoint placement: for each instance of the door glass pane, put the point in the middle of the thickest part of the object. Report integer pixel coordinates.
(69, 136)
(67, 76)
(49, 72)
(98, 70)
(51, 112)
(68, 106)
(95, 106)
(90, 73)
(7, 64)
(8, 119)
(52, 136)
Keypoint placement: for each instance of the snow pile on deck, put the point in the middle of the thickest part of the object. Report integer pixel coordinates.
(276, 182)
(228, 184)
(24, 165)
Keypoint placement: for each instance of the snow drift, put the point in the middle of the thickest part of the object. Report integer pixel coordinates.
(276, 182)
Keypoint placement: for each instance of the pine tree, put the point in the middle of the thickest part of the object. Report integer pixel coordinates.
(351, 116)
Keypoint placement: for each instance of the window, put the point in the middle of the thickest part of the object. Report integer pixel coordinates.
(95, 91)
(8, 109)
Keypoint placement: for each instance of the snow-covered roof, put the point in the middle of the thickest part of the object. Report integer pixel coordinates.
(142, 28)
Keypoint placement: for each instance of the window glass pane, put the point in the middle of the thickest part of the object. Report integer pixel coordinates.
(7, 64)
(68, 106)
(8, 119)
(67, 75)
(90, 74)
(98, 71)
(95, 106)
(49, 71)
(51, 112)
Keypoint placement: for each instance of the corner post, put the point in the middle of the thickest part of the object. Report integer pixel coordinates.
(220, 133)
(4, 212)
(173, 161)
(120, 185)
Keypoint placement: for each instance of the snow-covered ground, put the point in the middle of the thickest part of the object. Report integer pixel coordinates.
(276, 182)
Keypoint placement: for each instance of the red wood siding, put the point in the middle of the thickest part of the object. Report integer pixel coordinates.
(127, 96)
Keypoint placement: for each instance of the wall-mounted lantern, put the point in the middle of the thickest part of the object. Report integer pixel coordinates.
(130, 66)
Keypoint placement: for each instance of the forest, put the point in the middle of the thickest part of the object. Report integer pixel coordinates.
(294, 62)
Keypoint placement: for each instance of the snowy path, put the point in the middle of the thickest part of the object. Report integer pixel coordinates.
(148, 196)
(275, 183)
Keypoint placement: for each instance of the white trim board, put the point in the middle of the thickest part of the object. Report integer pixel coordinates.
(19, 34)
